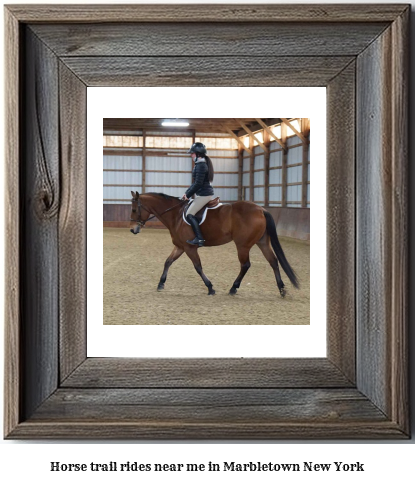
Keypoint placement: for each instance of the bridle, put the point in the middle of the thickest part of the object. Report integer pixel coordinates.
(142, 222)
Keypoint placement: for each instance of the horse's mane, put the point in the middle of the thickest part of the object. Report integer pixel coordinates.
(167, 197)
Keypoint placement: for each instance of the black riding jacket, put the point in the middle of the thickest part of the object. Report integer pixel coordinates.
(201, 184)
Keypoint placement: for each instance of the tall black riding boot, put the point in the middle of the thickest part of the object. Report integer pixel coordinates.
(198, 240)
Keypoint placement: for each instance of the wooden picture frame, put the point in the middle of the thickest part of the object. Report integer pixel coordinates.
(360, 53)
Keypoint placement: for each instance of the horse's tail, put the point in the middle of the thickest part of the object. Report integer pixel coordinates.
(272, 232)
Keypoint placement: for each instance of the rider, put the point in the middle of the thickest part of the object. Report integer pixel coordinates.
(202, 177)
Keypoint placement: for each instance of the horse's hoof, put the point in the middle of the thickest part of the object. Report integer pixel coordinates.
(283, 292)
(160, 288)
(233, 291)
(211, 292)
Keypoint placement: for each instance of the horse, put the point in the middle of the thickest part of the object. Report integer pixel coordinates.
(246, 223)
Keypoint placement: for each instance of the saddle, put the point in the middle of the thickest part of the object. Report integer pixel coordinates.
(201, 214)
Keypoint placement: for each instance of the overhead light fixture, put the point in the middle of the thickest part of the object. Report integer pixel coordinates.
(174, 123)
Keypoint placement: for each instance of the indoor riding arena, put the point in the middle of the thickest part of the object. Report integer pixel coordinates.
(264, 161)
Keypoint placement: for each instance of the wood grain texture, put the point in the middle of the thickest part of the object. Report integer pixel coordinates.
(206, 373)
(222, 398)
(400, 232)
(39, 232)
(209, 405)
(203, 39)
(72, 222)
(371, 307)
(182, 71)
(375, 168)
(13, 383)
(382, 222)
(149, 429)
(341, 237)
(221, 13)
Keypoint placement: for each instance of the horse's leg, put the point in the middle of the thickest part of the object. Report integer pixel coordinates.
(194, 256)
(176, 253)
(263, 244)
(243, 255)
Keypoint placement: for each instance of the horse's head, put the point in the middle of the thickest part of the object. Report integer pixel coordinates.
(139, 214)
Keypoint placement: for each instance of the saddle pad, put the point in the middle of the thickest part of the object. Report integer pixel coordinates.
(204, 214)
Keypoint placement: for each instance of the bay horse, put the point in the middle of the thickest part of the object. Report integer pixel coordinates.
(243, 222)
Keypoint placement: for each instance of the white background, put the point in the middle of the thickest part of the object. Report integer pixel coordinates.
(386, 463)
(218, 341)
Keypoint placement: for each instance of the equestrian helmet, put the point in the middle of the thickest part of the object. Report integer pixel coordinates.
(197, 147)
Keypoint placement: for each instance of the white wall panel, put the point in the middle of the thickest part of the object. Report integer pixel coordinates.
(119, 192)
(168, 142)
(259, 162)
(209, 134)
(293, 141)
(175, 192)
(122, 162)
(231, 194)
(217, 143)
(171, 134)
(294, 175)
(275, 159)
(167, 152)
(218, 153)
(274, 145)
(170, 163)
(227, 194)
(275, 194)
(259, 177)
(155, 179)
(112, 132)
(221, 163)
(225, 180)
(225, 164)
(122, 178)
(295, 155)
(118, 202)
(293, 194)
(275, 176)
(259, 195)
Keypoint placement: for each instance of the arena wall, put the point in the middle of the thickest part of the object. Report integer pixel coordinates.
(278, 180)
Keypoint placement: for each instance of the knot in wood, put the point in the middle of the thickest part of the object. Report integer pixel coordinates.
(46, 204)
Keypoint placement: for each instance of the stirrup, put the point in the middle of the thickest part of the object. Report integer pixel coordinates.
(196, 242)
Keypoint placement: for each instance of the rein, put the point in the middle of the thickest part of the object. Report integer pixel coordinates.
(143, 222)
(174, 206)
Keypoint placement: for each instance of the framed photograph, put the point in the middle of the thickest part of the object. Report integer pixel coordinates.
(142, 154)
(53, 388)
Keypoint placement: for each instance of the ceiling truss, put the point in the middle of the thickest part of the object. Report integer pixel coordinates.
(236, 128)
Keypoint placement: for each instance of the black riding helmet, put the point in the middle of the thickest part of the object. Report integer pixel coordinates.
(197, 147)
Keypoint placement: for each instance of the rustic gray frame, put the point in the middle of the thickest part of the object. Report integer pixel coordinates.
(359, 52)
